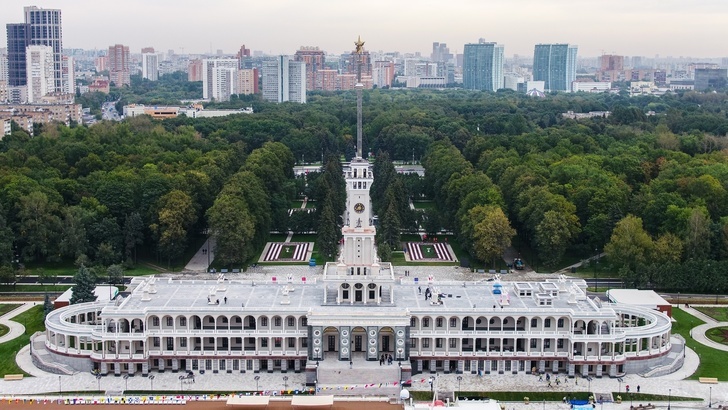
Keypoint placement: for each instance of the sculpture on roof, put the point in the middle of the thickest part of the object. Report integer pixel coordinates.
(359, 45)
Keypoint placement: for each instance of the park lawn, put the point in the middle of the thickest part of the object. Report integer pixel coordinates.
(32, 319)
(718, 334)
(718, 313)
(7, 307)
(310, 204)
(4, 330)
(428, 251)
(287, 251)
(712, 361)
(276, 237)
(303, 237)
(296, 204)
(35, 288)
(423, 205)
(69, 269)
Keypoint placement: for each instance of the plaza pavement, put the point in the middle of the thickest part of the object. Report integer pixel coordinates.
(50, 384)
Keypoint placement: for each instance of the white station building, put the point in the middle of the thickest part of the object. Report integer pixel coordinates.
(357, 310)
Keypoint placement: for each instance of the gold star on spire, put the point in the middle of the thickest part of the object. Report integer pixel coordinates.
(359, 46)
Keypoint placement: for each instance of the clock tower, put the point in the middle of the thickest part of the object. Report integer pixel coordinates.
(359, 251)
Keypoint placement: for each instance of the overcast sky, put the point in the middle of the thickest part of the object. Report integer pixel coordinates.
(696, 28)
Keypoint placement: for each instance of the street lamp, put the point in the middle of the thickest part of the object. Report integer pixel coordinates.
(669, 393)
(589, 379)
(98, 382)
(710, 397)
(59, 386)
(151, 382)
(126, 382)
(620, 380)
(256, 378)
(460, 378)
(596, 279)
(285, 383)
(432, 386)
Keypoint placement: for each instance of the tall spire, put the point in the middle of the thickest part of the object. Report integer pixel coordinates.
(358, 52)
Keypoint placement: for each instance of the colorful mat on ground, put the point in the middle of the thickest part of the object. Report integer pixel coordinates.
(441, 251)
(292, 251)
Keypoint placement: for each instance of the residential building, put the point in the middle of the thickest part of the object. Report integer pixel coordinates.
(383, 73)
(590, 86)
(483, 66)
(555, 65)
(223, 83)
(119, 65)
(45, 29)
(100, 84)
(148, 50)
(247, 81)
(210, 79)
(284, 80)
(39, 69)
(610, 62)
(194, 70)
(327, 80)
(711, 78)
(101, 63)
(150, 66)
(4, 65)
(18, 41)
(440, 53)
(314, 59)
(69, 75)
(4, 96)
(511, 81)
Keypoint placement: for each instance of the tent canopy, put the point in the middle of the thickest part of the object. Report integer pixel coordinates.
(312, 401)
(249, 401)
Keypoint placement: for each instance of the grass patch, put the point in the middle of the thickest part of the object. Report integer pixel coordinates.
(5, 308)
(4, 330)
(287, 252)
(296, 204)
(533, 396)
(718, 313)
(428, 251)
(310, 204)
(276, 237)
(32, 319)
(423, 205)
(69, 269)
(35, 288)
(303, 237)
(644, 398)
(712, 361)
(718, 335)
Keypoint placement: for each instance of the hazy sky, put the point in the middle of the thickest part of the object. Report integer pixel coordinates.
(697, 28)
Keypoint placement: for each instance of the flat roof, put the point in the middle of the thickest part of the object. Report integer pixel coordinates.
(636, 297)
(102, 293)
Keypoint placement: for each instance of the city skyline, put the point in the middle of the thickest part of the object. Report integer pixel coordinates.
(675, 28)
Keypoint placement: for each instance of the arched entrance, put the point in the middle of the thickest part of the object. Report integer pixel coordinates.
(358, 339)
(386, 340)
(331, 340)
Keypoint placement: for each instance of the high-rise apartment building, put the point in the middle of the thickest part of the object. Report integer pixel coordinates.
(612, 62)
(150, 66)
(39, 69)
(45, 29)
(4, 65)
(555, 65)
(119, 65)
(209, 76)
(194, 70)
(223, 82)
(69, 75)
(440, 52)
(383, 73)
(284, 80)
(315, 60)
(147, 50)
(247, 81)
(18, 41)
(710, 78)
(483, 66)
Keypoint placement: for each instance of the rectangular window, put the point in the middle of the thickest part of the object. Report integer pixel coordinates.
(182, 342)
(413, 321)
(264, 342)
(263, 322)
(170, 321)
(533, 343)
(291, 342)
(547, 322)
(155, 341)
(291, 322)
(195, 364)
(438, 343)
(236, 364)
(426, 322)
(238, 319)
(304, 342)
(426, 343)
(155, 321)
(211, 340)
(208, 364)
(560, 343)
(413, 343)
(277, 322)
(222, 364)
(248, 365)
(453, 343)
(547, 344)
(453, 322)
(560, 323)
(438, 323)
(534, 322)
(277, 341)
(304, 321)
(183, 321)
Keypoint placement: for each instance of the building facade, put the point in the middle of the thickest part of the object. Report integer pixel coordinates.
(209, 77)
(284, 79)
(119, 65)
(150, 66)
(555, 65)
(710, 78)
(483, 66)
(247, 81)
(45, 29)
(315, 60)
(18, 36)
(39, 69)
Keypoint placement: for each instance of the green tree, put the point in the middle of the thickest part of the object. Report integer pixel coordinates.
(233, 227)
(554, 234)
(697, 235)
(115, 274)
(38, 226)
(629, 245)
(491, 232)
(176, 216)
(133, 235)
(327, 240)
(73, 241)
(83, 290)
(47, 305)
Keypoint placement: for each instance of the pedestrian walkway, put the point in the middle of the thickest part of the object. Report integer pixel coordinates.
(700, 315)
(16, 329)
(201, 260)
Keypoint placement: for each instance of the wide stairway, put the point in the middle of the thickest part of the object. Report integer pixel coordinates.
(363, 378)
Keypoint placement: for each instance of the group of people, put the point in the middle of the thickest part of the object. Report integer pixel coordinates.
(557, 380)
(217, 301)
(386, 357)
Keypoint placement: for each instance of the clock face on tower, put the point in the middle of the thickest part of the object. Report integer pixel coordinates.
(359, 208)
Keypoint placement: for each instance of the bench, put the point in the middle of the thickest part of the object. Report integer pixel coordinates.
(708, 380)
(13, 377)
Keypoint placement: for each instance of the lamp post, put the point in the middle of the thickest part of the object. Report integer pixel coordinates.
(544, 404)
(59, 386)
(432, 386)
(596, 279)
(460, 378)
(207, 251)
(589, 379)
(285, 383)
(126, 382)
(98, 382)
(710, 397)
(256, 378)
(620, 380)
(669, 394)
(151, 382)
